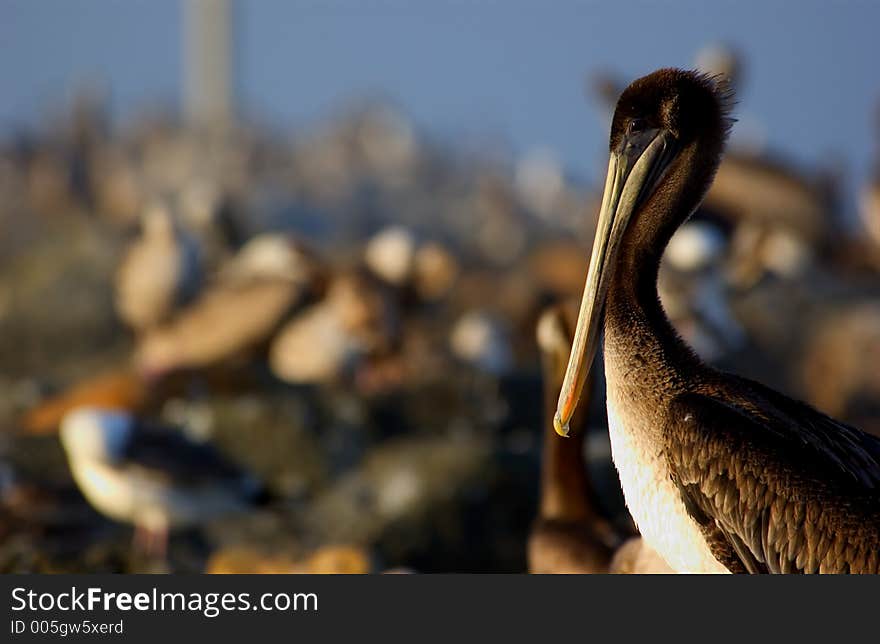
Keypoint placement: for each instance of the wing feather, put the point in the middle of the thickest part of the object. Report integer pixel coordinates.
(774, 485)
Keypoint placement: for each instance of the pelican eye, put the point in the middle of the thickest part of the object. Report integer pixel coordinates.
(637, 125)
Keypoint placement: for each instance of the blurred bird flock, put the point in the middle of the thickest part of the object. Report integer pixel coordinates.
(229, 350)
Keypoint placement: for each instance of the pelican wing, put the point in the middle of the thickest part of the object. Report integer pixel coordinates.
(774, 485)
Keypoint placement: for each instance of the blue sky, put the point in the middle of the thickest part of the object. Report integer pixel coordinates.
(513, 69)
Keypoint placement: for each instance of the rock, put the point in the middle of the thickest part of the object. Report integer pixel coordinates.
(404, 491)
(333, 560)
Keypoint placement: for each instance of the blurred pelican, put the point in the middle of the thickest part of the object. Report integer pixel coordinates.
(153, 478)
(269, 276)
(160, 270)
(569, 535)
(355, 319)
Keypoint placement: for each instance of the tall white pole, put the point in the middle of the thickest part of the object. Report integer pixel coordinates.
(207, 73)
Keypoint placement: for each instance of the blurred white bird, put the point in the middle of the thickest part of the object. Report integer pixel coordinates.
(151, 477)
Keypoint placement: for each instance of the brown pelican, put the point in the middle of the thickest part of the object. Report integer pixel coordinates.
(720, 473)
(568, 536)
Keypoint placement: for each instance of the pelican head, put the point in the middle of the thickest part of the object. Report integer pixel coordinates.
(553, 334)
(667, 136)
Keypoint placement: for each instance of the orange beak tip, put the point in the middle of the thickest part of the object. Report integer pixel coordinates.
(561, 428)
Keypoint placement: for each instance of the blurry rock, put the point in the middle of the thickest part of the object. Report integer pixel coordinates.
(120, 390)
(271, 435)
(390, 255)
(337, 560)
(160, 270)
(407, 486)
(245, 560)
(25, 502)
(58, 321)
(327, 560)
(18, 397)
(478, 339)
(436, 270)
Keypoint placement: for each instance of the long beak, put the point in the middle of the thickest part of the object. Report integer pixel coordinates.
(634, 170)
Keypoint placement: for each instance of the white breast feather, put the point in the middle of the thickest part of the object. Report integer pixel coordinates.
(651, 496)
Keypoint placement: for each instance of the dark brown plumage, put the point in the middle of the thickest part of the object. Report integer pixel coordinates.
(715, 468)
(775, 485)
